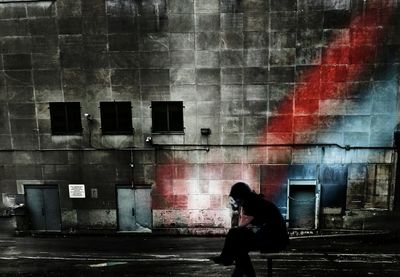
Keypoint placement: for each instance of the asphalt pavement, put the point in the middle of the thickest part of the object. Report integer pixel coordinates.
(156, 255)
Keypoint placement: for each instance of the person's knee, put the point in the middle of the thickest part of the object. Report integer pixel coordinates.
(234, 232)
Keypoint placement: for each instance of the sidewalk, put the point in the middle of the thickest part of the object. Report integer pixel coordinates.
(156, 256)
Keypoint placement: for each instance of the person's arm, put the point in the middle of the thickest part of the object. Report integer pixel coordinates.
(235, 219)
(244, 220)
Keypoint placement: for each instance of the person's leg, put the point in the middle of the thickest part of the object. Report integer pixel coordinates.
(232, 241)
(237, 272)
(244, 266)
(238, 243)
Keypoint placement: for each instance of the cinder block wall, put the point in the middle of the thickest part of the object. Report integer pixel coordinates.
(266, 76)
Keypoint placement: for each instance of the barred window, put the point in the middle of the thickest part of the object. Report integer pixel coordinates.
(65, 118)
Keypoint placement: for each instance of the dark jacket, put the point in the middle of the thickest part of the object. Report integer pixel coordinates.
(272, 232)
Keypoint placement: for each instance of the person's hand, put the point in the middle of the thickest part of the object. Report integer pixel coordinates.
(245, 220)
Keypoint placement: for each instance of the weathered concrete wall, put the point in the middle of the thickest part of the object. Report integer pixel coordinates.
(255, 72)
(97, 169)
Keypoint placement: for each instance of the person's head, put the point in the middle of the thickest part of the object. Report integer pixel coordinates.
(240, 192)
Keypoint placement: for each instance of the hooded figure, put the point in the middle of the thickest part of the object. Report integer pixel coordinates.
(265, 230)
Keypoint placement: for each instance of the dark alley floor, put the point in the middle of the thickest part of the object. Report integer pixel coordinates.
(150, 255)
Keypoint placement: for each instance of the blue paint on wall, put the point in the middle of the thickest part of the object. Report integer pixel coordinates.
(333, 178)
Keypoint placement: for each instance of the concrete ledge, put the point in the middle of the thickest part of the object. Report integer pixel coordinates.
(200, 231)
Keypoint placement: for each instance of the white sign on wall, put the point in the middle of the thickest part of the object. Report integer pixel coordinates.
(76, 191)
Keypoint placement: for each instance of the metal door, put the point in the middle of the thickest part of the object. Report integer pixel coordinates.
(43, 207)
(303, 204)
(126, 209)
(134, 209)
(143, 209)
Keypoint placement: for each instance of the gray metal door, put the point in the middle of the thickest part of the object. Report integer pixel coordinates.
(134, 209)
(126, 209)
(143, 209)
(43, 206)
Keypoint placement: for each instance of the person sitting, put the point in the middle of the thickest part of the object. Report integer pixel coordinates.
(264, 229)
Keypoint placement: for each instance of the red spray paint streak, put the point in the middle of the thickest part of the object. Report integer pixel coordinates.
(343, 62)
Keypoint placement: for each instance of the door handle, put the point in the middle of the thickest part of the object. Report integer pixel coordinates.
(133, 211)
(43, 211)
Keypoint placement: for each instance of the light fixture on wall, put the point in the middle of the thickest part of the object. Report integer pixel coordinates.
(205, 131)
(88, 117)
(89, 120)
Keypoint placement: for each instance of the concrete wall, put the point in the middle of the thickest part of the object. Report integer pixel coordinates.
(262, 75)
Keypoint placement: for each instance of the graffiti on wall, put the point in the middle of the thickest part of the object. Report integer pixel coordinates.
(346, 97)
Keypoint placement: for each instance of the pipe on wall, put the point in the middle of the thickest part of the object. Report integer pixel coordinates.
(396, 193)
(25, 1)
(205, 147)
